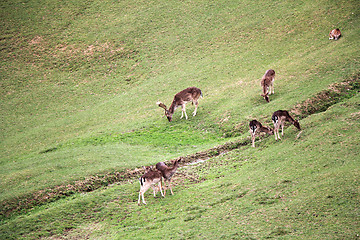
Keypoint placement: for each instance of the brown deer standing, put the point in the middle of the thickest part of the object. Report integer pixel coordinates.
(168, 172)
(149, 179)
(191, 94)
(335, 34)
(279, 118)
(256, 128)
(267, 84)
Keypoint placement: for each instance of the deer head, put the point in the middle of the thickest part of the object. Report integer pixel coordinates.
(167, 112)
(177, 161)
(266, 97)
(297, 124)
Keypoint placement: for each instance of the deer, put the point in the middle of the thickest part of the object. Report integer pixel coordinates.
(191, 94)
(335, 34)
(168, 172)
(267, 84)
(279, 118)
(255, 128)
(149, 179)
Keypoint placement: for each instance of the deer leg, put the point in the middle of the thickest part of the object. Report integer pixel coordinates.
(253, 140)
(170, 188)
(282, 129)
(186, 117)
(143, 190)
(196, 106)
(139, 197)
(154, 190)
(278, 134)
(183, 111)
(164, 187)
(160, 186)
(141, 194)
(276, 131)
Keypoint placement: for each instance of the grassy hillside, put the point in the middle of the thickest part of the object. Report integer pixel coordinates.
(289, 189)
(79, 83)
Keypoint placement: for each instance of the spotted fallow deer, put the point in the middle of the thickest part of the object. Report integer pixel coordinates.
(168, 172)
(256, 128)
(191, 94)
(279, 118)
(335, 34)
(149, 179)
(267, 84)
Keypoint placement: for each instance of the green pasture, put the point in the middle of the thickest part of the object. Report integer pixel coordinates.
(79, 82)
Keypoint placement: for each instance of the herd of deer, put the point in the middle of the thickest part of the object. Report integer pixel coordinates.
(192, 94)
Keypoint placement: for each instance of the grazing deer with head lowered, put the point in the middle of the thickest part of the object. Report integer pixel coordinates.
(267, 84)
(168, 172)
(255, 128)
(279, 118)
(335, 34)
(191, 94)
(149, 179)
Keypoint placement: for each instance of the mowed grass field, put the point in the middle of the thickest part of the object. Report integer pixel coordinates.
(79, 86)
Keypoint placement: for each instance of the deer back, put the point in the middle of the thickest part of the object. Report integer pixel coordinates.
(161, 166)
(150, 176)
(186, 95)
(267, 130)
(269, 74)
(268, 78)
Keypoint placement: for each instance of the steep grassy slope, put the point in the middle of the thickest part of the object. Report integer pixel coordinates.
(79, 80)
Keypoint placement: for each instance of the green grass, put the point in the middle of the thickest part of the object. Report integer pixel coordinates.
(79, 83)
(292, 189)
